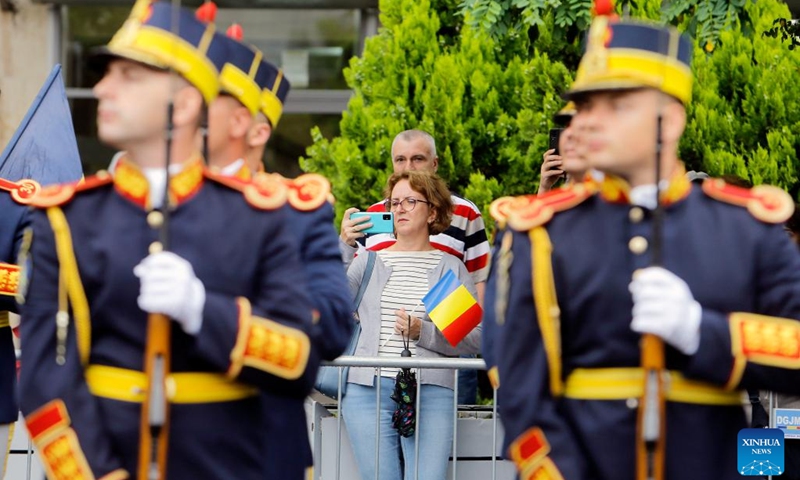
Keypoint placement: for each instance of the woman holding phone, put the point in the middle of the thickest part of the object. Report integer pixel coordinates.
(390, 312)
(562, 160)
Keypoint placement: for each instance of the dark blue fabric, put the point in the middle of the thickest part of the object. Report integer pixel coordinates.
(43, 149)
(650, 38)
(235, 250)
(730, 261)
(330, 294)
(13, 221)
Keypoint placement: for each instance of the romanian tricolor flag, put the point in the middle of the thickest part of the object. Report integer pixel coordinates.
(452, 308)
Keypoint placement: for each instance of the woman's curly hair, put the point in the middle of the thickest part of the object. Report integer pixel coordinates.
(435, 191)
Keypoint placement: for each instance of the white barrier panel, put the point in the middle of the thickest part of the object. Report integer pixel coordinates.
(21, 465)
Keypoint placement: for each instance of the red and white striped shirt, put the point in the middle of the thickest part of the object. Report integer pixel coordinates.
(465, 237)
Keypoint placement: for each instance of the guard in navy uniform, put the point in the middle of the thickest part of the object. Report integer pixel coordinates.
(231, 283)
(13, 221)
(575, 291)
(499, 208)
(253, 92)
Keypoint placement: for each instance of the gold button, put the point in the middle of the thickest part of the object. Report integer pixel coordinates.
(635, 215)
(156, 247)
(155, 219)
(638, 245)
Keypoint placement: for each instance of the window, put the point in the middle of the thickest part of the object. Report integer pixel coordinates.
(312, 46)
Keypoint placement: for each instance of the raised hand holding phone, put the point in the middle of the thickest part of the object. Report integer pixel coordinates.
(381, 222)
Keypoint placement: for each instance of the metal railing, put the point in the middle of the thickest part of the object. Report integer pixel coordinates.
(418, 364)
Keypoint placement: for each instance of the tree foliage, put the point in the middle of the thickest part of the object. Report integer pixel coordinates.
(490, 119)
(744, 117)
(787, 30)
(705, 19)
(489, 102)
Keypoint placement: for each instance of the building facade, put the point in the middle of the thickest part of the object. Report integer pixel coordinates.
(311, 40)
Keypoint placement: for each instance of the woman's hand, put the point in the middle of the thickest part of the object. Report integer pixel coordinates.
(401, 324)
(351, 228)
(551, 171)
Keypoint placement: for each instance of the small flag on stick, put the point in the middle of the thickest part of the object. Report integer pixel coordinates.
(454, 311)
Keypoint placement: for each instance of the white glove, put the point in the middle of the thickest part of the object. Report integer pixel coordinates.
(169, 286)
(663, 305)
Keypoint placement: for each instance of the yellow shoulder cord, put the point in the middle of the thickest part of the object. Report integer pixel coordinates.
(70, 291)
(505, 258)
(547, 311)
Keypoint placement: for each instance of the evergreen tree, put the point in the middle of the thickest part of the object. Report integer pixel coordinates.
(489, 103)
(490, 119)
(744, 117)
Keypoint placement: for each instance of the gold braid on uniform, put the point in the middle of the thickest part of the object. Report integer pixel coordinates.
(762, 340)
(55, 439)
(70, 291)
(529, 453)
(269, 346)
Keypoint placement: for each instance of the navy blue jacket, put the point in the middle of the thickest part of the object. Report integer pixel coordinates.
(310, 219)
(731, 261)
(13, 221)
(240, 248)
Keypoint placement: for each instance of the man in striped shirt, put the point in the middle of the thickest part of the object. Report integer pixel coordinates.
(465, 237)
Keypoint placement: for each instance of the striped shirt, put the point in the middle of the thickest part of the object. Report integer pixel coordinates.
(405, 288)
(465, 238)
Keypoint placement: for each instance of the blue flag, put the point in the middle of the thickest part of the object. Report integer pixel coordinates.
(44, 147)
(444, 287)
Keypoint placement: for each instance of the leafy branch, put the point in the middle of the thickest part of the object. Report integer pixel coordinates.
(787, 30)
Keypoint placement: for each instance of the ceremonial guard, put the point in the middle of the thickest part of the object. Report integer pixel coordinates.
(499, 213)
(605, 319)
(106, 389)
(14, 196)
(254, 91)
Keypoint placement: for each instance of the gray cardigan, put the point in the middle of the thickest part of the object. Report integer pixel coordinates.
(431, 343)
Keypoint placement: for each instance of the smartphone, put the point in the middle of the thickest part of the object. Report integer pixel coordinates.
(555, 135)
(382, 222)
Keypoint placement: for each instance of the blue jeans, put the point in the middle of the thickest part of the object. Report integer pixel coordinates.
(467, 385)
(434, 421)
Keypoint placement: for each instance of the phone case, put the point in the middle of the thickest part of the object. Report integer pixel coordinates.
(555, 133)
(382, 222)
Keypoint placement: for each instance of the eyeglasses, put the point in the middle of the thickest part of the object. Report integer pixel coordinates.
(408, 203)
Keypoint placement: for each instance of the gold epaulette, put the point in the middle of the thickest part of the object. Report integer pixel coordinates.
(264, 194)
(765, 202)
(59, 194)
(305, 193)
(529, 211)
(22, 191)
(499, 209)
